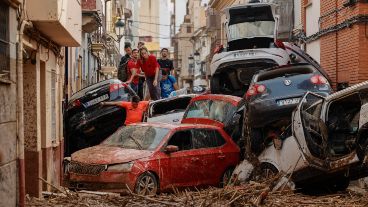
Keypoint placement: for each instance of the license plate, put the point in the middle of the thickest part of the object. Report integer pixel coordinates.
(289, 101)
(96, 100)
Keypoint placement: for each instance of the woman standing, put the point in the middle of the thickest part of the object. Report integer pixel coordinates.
(150, 67)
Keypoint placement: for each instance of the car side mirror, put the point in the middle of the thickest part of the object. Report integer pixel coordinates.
(171, 148)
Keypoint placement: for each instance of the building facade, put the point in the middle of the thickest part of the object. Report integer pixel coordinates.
(340, 41)
(31, 93)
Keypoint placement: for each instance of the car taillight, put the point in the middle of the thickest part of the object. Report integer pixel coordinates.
(255, 90)
(318, 80)
(116, 86)
(76, 103)
(280, 44)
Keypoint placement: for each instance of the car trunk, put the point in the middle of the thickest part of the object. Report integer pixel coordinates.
(251, 26)
(233, 78)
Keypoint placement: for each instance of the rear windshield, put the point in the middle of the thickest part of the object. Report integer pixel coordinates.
(210, 109)
(171, 106)
(282, 72)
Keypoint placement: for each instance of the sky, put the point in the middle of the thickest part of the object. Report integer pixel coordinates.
(166, 9)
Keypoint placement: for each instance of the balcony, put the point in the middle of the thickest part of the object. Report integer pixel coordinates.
(213, 20)
(91, 15)
(59, 20)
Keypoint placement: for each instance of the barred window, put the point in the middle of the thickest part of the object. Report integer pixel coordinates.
(4, 41)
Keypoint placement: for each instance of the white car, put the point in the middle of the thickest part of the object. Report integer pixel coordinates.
(168, 110)
(252, 46)
(327, 142)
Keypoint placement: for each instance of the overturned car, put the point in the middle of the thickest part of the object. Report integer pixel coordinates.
(328, 141)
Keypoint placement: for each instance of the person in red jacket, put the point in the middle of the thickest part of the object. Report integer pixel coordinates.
(149, 65)
(134, 109)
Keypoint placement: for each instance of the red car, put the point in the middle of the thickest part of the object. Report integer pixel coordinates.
(155, 157)
(224, 109)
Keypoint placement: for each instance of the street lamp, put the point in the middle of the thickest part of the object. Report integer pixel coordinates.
(119, 25)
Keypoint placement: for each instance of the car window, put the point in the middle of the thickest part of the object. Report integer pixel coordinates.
(207, 138)
(211, 109)
(137, 137)
(283, 72)
(182, 139)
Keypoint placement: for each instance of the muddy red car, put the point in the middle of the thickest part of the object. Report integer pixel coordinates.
(149, 158)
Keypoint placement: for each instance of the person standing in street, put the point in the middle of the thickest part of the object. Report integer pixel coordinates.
(134, 72)
(168, 84)
(164, 62)
(134, 109)
(122, 69)
(150, 67)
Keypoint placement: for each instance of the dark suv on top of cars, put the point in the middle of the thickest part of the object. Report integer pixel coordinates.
(87, 123)
(274, 93)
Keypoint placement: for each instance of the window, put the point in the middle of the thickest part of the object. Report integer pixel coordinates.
(207, 138)
(4, 41)
(182, 139)
(189, 29)
(211, 109)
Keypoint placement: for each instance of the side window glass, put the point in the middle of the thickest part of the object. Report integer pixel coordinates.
(206, 138)
(182, 139)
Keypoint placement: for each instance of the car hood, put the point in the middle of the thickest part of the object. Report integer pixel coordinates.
(108, 155)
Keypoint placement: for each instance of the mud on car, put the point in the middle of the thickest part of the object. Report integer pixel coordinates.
(86, 122)
(328, 143)
(149, 158)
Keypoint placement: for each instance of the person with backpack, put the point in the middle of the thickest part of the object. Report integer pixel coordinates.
(168, 84)
(122, 69)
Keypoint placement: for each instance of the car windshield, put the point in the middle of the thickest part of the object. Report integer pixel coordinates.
(251, 29)
(137, 137)
(211, 109)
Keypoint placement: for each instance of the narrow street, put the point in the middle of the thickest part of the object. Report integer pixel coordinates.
(183, 103)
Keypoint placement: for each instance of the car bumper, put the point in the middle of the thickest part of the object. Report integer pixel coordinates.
(116, 182)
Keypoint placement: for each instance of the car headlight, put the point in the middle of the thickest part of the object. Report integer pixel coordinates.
(125, 167)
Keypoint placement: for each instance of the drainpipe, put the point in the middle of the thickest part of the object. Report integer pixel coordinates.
(20, 111)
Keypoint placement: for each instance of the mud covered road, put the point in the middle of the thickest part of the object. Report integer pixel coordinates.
(253, 194)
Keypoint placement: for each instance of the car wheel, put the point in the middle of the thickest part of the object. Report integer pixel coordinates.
(253, 138)
(146, 184)
(226, 177)
(339, 185)
(265, 171)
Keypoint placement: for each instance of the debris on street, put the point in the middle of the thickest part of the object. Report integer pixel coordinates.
(251, 194)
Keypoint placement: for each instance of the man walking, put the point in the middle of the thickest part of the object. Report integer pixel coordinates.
(150, 67)
(165, 63)
(122, 70)
(134, 72)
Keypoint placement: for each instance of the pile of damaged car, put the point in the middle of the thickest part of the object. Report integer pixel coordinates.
(270, 109)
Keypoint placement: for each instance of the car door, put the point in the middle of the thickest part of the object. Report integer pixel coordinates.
(183, 164)
(212, 160)
(310, 130)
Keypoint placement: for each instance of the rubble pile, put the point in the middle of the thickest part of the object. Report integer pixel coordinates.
(251, 194)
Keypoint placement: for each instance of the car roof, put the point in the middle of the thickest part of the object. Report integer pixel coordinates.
(348, 90)
(234, 100)
(174, 126)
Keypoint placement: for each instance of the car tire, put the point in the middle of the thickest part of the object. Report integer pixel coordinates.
(340, 184)
(215, 85)
(147, 184)
(226, 177)
(253, 138)
(268, 170)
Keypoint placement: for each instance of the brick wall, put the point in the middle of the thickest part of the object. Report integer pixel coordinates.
(344, 53)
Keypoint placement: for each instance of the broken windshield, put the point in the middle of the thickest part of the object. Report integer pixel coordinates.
(211, 109)
(251, 29)
(137, 137)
